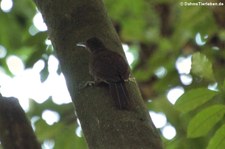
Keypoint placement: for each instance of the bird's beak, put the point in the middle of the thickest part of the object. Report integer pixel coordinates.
(81, 44)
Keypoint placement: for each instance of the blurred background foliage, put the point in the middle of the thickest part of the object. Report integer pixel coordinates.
(176, 53)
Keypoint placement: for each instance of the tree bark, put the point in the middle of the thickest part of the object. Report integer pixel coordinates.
(15, 130)
(104, 125)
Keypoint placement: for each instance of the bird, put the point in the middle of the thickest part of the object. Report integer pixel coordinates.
(111, 68)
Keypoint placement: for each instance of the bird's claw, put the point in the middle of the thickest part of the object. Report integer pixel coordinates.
(131, 79)
(86, 84)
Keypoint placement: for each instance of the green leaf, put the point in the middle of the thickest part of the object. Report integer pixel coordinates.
(203, 122)
(202, 67)
(34, 57)
(41, 126)
(44, 74)
(194, 98)
(218, 140)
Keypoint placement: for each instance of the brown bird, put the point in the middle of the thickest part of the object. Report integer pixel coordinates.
(111, 68)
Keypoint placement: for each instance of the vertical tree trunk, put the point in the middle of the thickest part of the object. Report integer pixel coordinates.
(104, 126)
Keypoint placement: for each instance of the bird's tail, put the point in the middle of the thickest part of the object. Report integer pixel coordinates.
(120, 95)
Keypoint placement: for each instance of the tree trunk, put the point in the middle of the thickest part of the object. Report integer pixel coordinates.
(104, 125)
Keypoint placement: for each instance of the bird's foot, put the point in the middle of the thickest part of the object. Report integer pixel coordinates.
(131, 79)
(86, 84)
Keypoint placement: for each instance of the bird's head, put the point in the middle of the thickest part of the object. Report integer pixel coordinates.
(93, 44)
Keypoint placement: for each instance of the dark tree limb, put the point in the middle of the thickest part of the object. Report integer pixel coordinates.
(104, 125)
(15, 130)
(219, 13)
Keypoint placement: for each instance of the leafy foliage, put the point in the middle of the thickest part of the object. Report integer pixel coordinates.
(159, 33)
(202, 67)
(193, 99)
(203, 122)
(218, 139)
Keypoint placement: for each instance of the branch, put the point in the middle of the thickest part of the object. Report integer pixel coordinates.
(104, 126)
(15, 130)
